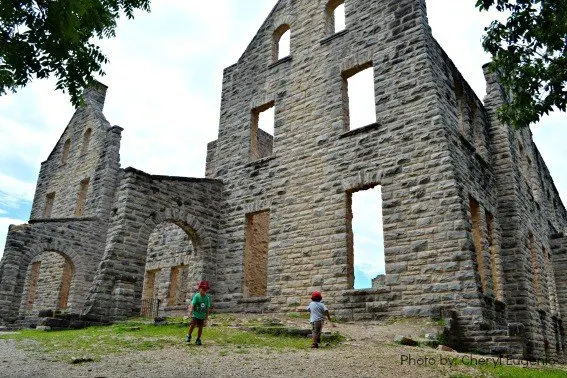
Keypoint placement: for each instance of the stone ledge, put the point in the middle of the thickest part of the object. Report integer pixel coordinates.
(170, 178)
(63, 220)
(333, 37)
(360, 130)
(281, 61)
(254, 300)
(374, 290)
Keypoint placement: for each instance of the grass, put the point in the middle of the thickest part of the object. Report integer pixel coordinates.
(141, 335)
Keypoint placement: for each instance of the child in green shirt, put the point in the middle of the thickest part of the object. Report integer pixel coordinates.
(199, 310)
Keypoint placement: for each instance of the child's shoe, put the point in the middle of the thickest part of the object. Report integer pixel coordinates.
(198, 342)
(315, 346)
(187, 339)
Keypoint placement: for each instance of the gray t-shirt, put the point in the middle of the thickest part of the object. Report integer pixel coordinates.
(317, 310)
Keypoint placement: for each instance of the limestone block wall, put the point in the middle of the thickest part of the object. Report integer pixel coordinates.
(142, 203)
(79, 243)
(173, 267)
(317, 162)
(81, 172)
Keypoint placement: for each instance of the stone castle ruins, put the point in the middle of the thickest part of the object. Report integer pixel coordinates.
(473, 224)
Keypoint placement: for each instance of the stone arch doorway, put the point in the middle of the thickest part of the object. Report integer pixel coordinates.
(49, 283)
(174, 265)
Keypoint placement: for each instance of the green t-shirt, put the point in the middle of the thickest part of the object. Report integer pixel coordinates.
(200, 305)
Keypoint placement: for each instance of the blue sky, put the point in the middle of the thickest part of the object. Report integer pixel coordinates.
(164, 79)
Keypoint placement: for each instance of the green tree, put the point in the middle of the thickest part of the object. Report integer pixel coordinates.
(529, 52)
(40, 38)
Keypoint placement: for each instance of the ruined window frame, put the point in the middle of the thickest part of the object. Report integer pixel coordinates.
(82, 197)
(330, 22)
(49, 202)
(276, 42)
(254, 145)
(346, 76)
(86, 141)
(65, 152)
(249, 291)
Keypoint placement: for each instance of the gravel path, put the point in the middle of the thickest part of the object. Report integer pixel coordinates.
(369, 352)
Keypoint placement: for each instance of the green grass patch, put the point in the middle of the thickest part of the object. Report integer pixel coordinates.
(140, 335)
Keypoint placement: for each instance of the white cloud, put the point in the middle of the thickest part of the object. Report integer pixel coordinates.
(4, 223)
(13, 190)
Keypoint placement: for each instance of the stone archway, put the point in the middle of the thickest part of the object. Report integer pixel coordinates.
(174, 264)
(49, 283)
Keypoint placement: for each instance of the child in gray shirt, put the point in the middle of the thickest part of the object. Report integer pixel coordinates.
(318, 312)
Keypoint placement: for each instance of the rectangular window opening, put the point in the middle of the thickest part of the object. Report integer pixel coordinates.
(256, 254)
(494, 258)
(262, 131)
(49, 200)
(359, 99)
(536, 270)
(366, 263)
(65, 288)
(477, 240)
(82, 199)
(32, 285)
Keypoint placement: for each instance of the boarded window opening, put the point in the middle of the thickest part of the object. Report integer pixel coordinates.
(494, 258)
(65, 288)
(86, 141)
(336, 17)
(281, 43)
(256, 254)
(82, 199)
(32, 285)
(359, 100)
(477, 240)
(49, 200)
(176, 285)
(65, 152)
(262, 131)
(366, 263)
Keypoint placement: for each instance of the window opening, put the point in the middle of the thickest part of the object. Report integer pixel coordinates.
(86, 141)
(256, 254)
(65, 288)
(536, 270)
(49, 200)
(262, 131)
(65, 153)
(32, 285)
(281, 43)
(366, 263)
(359, 100)
(82, 198)
(477, 240)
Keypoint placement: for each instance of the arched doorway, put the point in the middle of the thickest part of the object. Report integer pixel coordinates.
(49, 283)
(173, 268)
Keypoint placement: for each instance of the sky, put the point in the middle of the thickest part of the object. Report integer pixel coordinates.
(164, 78)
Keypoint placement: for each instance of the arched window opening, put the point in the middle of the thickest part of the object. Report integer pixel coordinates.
(336, 16)
(65, 152)
(282, 43)
(82, 198)
(359, 100)
(86, 141)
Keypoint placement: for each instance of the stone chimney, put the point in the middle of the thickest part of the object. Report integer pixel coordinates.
(95, 95)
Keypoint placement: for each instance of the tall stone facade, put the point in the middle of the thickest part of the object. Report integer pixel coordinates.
(473, 224)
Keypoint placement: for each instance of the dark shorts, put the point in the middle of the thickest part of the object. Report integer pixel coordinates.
(197, 322)
(317, 326)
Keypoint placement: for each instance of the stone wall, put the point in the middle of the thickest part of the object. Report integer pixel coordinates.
(173, 267)
(143, 203)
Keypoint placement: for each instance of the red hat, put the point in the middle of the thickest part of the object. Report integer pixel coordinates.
(316, 296)
(203, 285)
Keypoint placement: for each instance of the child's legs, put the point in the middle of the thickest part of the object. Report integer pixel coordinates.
(316, 331)
(200, 330)
(191, 327)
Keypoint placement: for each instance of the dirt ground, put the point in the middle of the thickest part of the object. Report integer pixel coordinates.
(368, 352)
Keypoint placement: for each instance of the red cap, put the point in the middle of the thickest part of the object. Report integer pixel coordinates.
(203, 285)
(316, 296)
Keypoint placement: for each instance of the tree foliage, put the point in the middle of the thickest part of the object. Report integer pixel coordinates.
(529, 52)
(40, 38)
